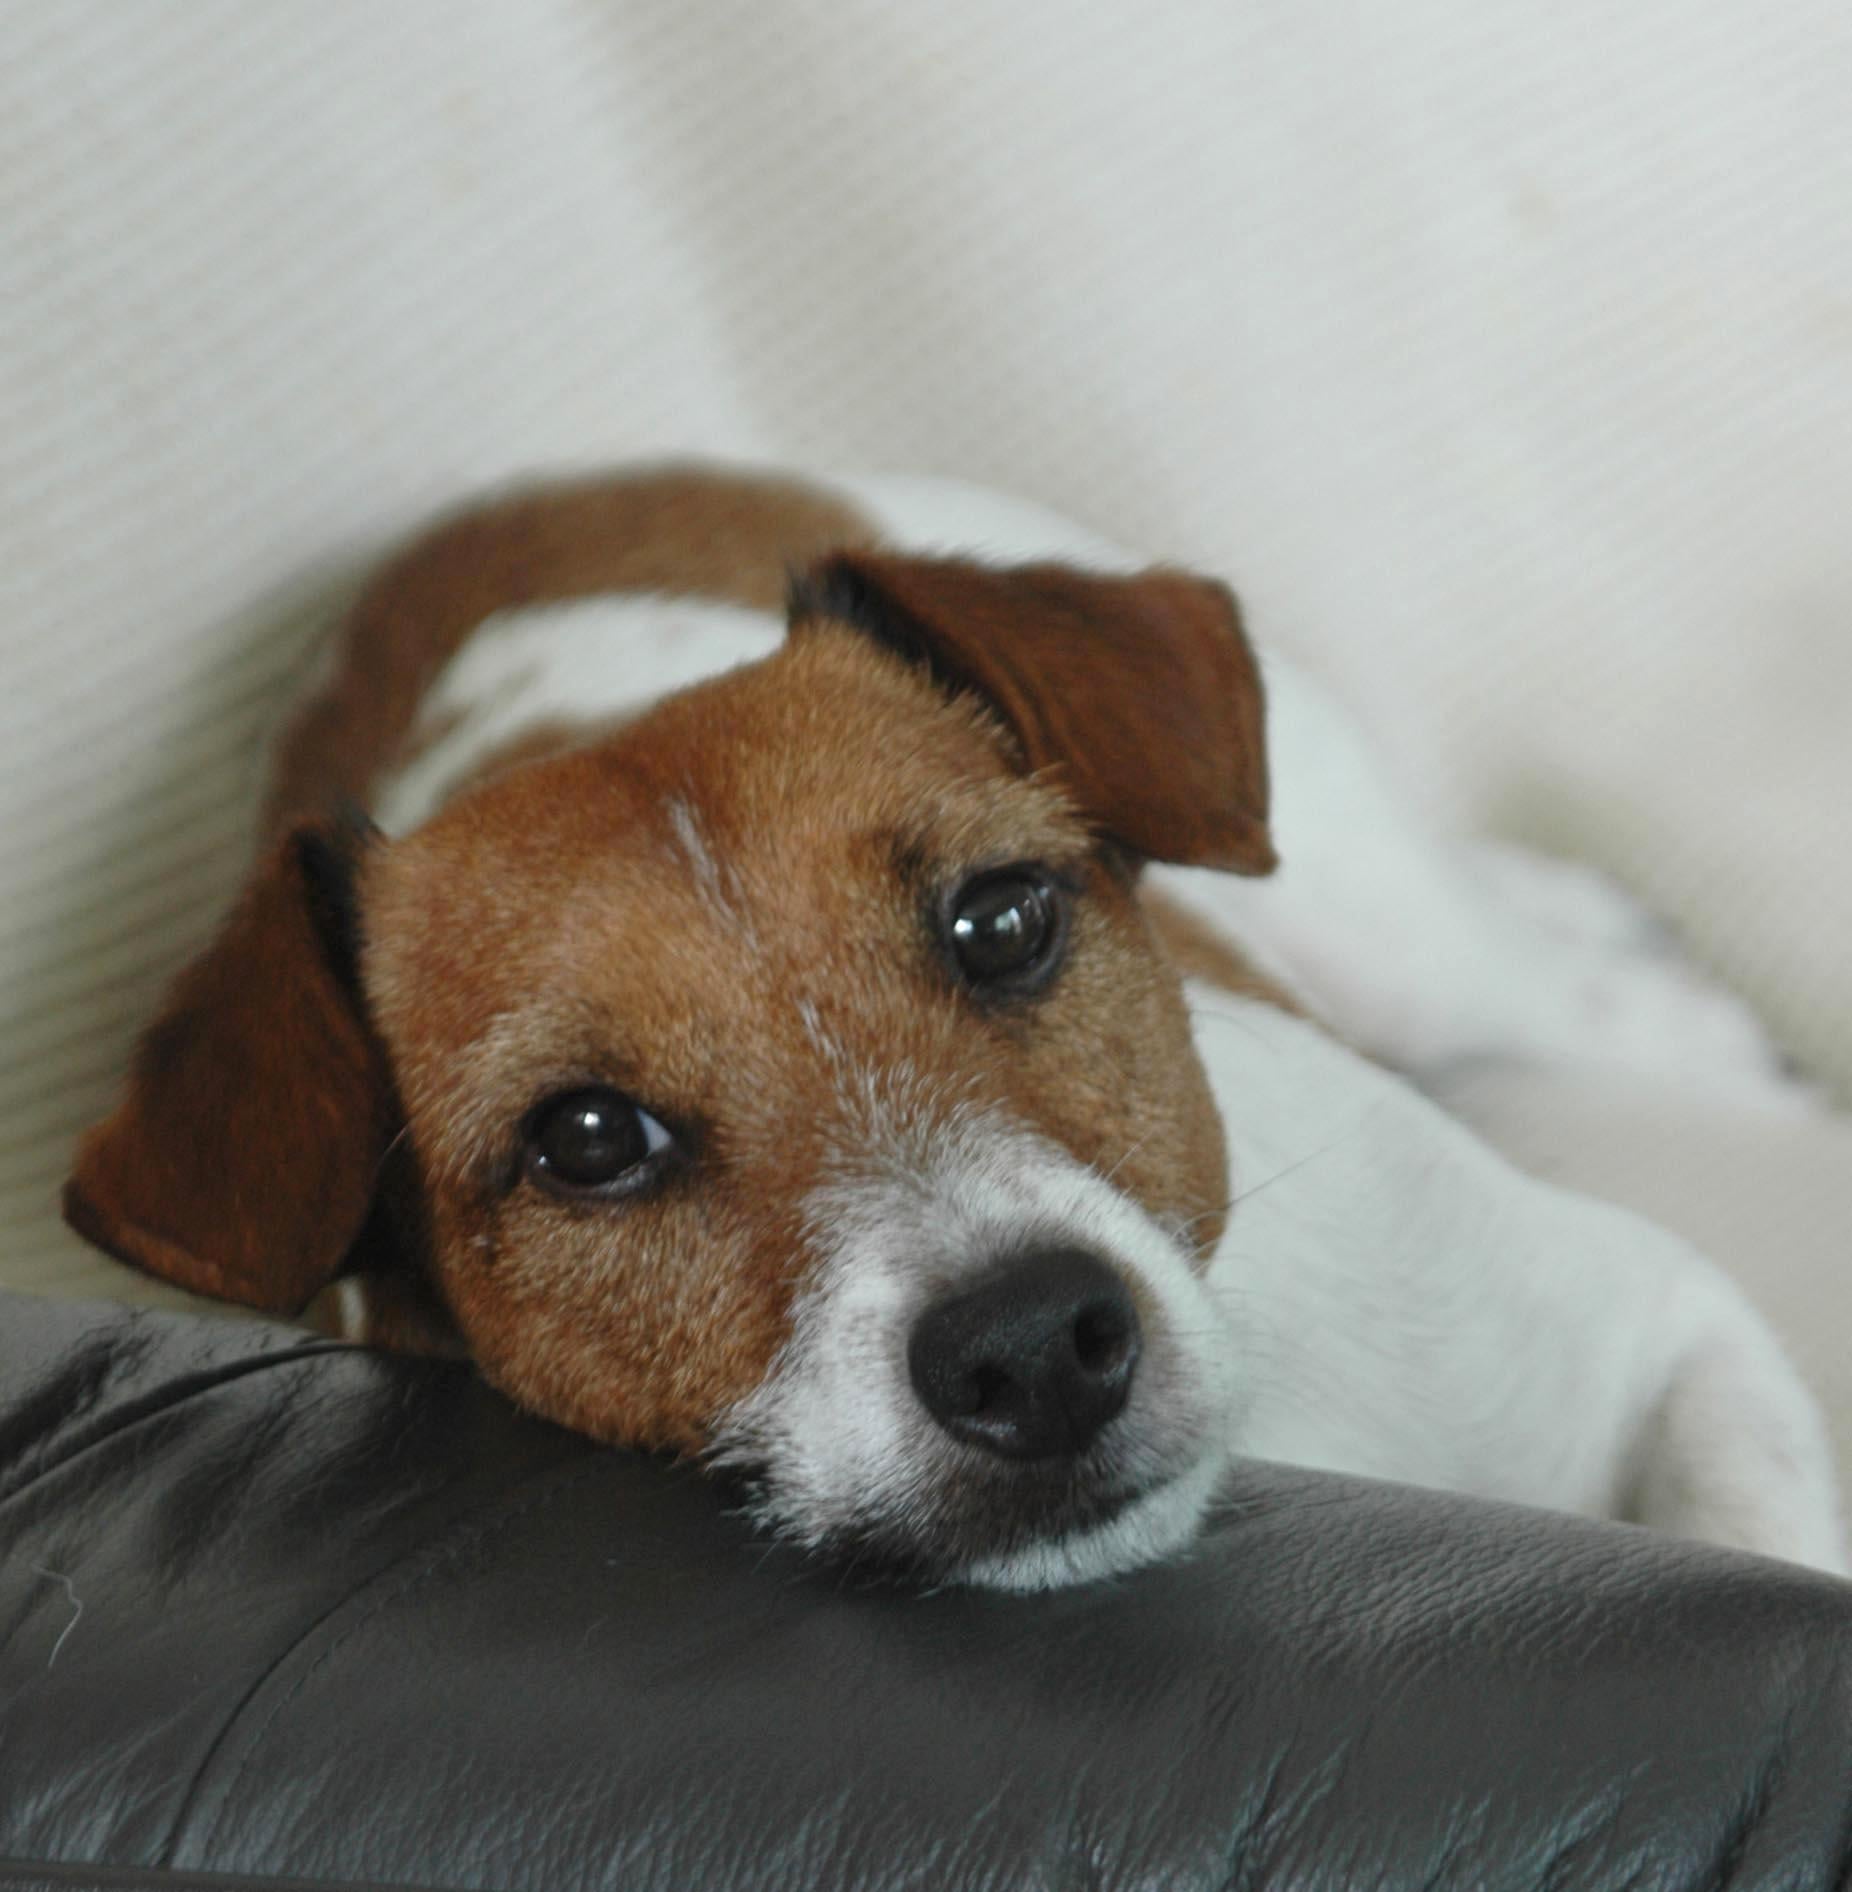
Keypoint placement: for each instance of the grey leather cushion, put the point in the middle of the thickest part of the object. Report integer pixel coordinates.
(274, 1606)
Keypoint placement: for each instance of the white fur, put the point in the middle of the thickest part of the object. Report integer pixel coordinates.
(1390, 1297)
(1404, 1303)
(578, 662)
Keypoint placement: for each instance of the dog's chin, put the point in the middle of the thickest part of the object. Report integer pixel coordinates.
(1030, 1528)
(1142, 1528)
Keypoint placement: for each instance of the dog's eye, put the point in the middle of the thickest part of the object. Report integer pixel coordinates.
(1006, 929)
(593, 1139)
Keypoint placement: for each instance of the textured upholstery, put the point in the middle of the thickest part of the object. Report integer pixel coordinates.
(276, 1606)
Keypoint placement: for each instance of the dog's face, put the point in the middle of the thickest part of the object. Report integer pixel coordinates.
(788, 1076)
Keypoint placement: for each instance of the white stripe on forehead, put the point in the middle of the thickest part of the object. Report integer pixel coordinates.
(583, 662)
(685, 824)
(716, 882)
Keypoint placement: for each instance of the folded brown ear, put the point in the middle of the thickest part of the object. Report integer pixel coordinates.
(243, 1159)
(1142, 688)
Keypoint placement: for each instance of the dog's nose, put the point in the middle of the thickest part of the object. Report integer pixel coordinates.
(1033, 1361)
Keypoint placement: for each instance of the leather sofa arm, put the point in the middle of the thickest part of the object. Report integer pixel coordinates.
(273, 1606)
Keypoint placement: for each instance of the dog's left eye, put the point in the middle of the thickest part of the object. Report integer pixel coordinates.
(1007, 929)
(593, 1139)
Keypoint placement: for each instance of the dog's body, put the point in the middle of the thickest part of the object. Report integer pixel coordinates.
(653, 852)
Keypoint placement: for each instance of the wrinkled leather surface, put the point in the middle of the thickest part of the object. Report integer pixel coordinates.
(350, 1618)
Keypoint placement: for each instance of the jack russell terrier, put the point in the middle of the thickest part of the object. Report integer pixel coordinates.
(784, 1014)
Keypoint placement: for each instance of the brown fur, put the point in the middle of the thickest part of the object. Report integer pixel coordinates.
(721, 908)
(243, 1159)
(534, 744)
(681, 530)
(550, 928)
(1140, 690)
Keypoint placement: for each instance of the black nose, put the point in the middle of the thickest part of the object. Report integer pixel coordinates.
(1033, 1361)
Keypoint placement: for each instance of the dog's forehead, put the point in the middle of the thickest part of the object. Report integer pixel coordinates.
(762, 817)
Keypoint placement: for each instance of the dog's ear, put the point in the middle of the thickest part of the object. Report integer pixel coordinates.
(1142, 689)
(242, 1161)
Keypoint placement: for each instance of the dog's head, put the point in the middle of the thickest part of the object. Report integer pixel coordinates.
(788, 1076)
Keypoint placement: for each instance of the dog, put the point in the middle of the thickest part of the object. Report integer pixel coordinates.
(809, 990)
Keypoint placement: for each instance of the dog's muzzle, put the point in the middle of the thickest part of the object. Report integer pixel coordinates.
(1034, 1361)
(1002, 1371)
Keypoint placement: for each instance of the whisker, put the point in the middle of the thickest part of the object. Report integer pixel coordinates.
(1254, 1189)
(1224, 1018)
(400, 1136)
(1127, 1157)
(1280, 1175)
(1208, 1215)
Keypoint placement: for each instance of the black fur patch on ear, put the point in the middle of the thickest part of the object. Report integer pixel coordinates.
(329, 862)
(833, 588)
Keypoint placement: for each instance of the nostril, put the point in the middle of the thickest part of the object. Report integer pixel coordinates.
(1102, 1337)
(983, 1389)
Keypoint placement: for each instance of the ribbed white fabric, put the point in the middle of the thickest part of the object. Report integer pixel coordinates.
(1502, 356)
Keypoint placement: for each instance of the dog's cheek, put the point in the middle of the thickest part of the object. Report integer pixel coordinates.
(635, 1324)
(1115, 1079)
(1188, 1176)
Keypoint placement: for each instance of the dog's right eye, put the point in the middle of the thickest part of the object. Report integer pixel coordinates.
(1007, 930)
(594, 1140)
